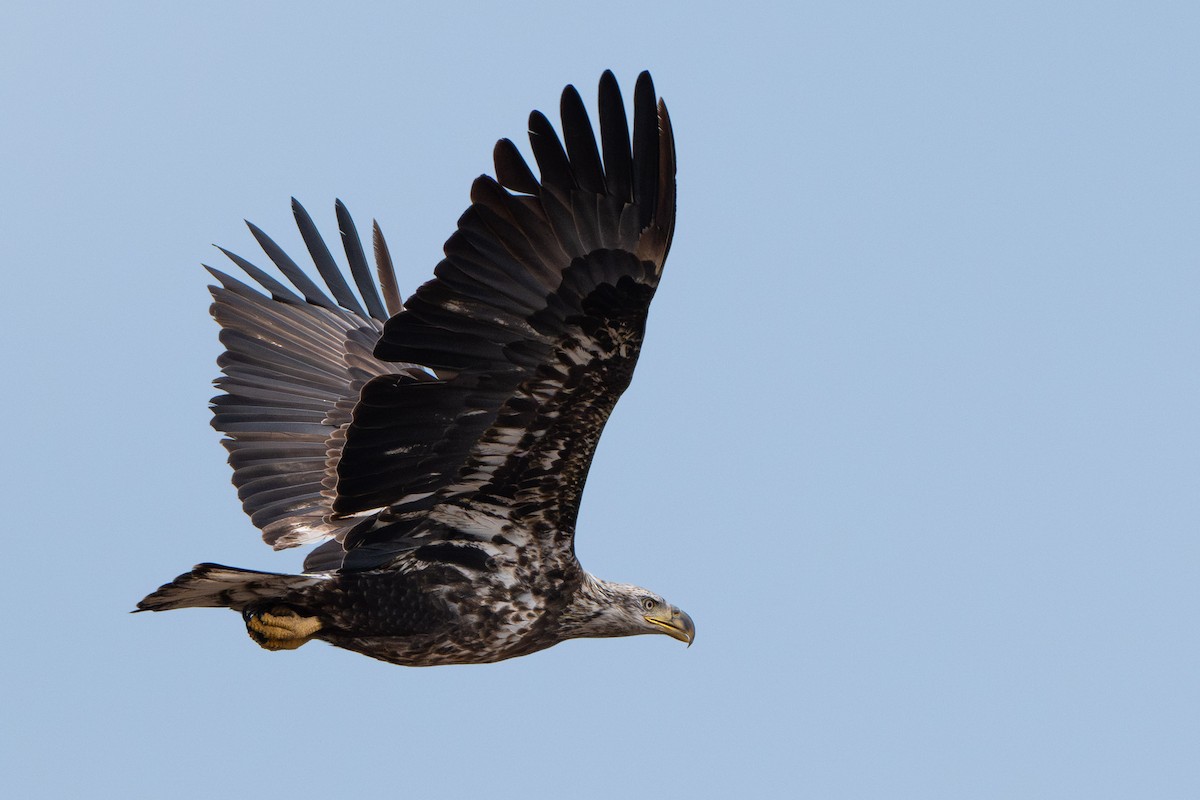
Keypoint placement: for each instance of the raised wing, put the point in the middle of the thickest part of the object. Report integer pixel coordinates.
(532, 327)
(293, 365)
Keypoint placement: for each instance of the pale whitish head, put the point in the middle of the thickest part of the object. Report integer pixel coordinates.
(605, 608)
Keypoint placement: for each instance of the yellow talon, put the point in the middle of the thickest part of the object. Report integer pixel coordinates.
(280, 627)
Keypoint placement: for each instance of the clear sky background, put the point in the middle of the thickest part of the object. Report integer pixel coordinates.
(913, 438)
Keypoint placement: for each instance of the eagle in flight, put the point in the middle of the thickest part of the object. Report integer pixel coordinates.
(439, 447)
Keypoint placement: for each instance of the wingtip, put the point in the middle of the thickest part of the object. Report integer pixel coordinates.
(385, 271)
(570, 93)
(538, 120)
(644, 86)
(608, 79)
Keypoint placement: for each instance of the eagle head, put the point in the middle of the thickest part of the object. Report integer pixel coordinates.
(605, 608)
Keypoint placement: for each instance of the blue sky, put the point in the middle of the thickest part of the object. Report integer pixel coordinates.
(913, 437)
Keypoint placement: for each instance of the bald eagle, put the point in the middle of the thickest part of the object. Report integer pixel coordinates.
(438, 447)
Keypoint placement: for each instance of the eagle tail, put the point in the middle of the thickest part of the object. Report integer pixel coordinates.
(217, 586)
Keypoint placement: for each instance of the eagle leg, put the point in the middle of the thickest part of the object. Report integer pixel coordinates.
(279, 627)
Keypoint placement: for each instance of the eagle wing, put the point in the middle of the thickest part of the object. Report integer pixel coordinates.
(490, 388)
(293, 366)
(532, 325)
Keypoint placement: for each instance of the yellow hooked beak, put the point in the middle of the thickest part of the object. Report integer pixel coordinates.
(674, 623)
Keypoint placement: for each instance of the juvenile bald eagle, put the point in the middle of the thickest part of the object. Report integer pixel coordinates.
(441, 445)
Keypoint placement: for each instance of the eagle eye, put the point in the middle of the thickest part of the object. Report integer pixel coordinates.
(649, 604)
